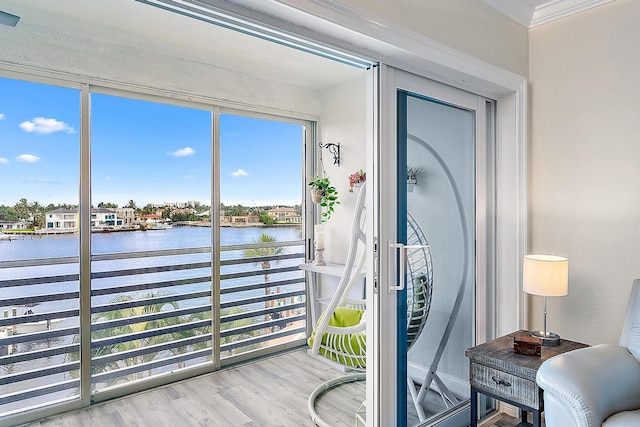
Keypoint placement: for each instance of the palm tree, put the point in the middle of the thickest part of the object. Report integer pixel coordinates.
(236, 324)
(37, 215)
(136, 327)
(264, 252)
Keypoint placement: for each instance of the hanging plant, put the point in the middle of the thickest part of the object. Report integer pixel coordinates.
(324, 194)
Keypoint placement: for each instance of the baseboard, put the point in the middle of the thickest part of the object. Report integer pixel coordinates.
(509, 409)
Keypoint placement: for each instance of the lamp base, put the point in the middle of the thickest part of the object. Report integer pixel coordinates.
(548, 339)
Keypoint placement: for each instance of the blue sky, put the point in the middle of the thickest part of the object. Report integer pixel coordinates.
(145, 151)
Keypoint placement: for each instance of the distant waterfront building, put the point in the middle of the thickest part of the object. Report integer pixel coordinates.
(232, 220)
(66, 220)
(103, 218)
(128, 216)
(13, 225)
(61, 220)
(149, 219)
(160, 212)
(180, 205)
(284, 214)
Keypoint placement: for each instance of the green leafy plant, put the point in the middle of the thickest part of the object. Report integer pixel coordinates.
(324, 194)
(413, 172)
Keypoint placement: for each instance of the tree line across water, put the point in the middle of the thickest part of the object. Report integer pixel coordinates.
(34, 212)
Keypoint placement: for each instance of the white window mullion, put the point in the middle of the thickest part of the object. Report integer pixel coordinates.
(84, 223)
(215, 236)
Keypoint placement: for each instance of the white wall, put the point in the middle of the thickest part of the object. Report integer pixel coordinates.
(585, 164)
(469, 26)
(343, 120)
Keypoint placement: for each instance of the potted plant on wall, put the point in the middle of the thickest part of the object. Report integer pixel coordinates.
(357, 179)
(412, 177)
(324, 194)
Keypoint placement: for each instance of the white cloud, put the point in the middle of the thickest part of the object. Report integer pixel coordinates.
(45, 126)
(239, 172)
(27, 158)
(183, 152)
(189, 176)
(1, 116)
(3, 160)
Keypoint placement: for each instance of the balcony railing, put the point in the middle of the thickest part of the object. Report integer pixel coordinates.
(151, 315)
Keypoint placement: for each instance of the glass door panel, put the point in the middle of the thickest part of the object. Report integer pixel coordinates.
(151, 240)
(39, 246)
(437, 176)
(428, 192)
(261, 240)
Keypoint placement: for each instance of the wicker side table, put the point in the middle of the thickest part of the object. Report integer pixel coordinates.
(496, 371)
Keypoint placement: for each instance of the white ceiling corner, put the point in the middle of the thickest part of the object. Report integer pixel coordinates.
(531, 13)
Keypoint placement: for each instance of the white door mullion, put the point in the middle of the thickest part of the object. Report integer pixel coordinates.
(85, 246)
(215, 236)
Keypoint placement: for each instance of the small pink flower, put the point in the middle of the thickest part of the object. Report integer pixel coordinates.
(356, 178)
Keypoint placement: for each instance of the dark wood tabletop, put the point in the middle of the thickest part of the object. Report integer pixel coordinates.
(499, 354)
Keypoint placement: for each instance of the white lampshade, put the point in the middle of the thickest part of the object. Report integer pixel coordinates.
(546, 275)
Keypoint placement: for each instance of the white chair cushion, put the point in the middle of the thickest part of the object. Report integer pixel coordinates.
(623, 419)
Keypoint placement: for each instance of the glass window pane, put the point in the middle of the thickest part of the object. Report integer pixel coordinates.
(262, 289)
(39, 245)
(151, 239)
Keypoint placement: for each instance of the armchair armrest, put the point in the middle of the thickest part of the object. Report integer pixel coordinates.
(582, 388)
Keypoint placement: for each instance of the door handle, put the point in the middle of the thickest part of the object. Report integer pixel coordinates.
(393, 250)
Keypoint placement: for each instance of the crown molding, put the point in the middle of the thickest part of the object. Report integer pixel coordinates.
(562, 8)
(531, 16)
(518, 10)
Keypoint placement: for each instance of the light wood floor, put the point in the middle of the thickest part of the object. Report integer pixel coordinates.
(268, 392)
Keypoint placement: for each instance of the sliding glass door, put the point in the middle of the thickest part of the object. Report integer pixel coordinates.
(150, 249)
(261, 237)
(39, 246)
(429, 271)
(178, 255)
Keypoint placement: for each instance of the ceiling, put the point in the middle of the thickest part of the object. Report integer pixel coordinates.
(134, 24)
(532, 13)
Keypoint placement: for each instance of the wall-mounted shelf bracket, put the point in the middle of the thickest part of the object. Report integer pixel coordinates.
(334, 149)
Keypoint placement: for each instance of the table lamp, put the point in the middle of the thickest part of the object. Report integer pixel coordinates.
(547, 276)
